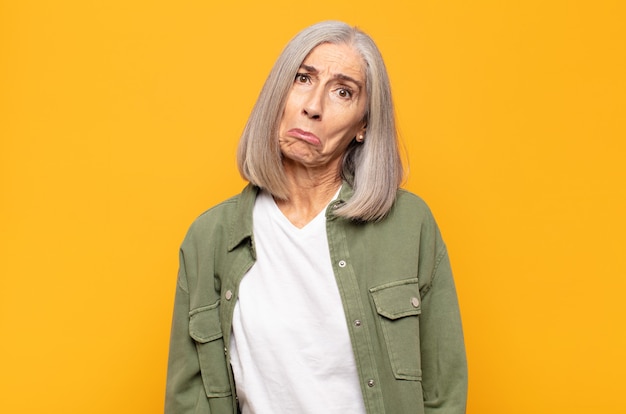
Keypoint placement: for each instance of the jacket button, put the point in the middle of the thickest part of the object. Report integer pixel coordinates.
(342, 263)
(370, 383)
(357, 323)
(415, 302)
(228, 295)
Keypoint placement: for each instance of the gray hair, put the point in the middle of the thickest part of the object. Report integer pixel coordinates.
(373, 168)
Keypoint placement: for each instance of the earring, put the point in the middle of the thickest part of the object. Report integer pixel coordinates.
(360, 138)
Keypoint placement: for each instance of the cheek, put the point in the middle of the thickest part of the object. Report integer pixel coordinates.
(284, 121)
(289, 112)
(293, 101)
(355, 125)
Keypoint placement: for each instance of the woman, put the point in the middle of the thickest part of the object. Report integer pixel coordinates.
(322, 287)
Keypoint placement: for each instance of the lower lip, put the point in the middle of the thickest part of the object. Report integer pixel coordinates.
(310, 138)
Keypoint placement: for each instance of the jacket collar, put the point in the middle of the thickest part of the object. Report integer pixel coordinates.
(241, 227)
(345, 193)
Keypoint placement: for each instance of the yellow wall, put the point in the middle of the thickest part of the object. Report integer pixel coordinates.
(118, 124)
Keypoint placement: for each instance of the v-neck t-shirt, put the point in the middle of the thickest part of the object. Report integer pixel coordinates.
(290, 349)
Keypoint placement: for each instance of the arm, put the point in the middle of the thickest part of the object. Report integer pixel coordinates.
(444, 365)
(184, 382)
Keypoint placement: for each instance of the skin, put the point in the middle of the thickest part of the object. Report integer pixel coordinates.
(324, 112)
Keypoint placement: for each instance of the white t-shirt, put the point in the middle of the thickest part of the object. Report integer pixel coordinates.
(290, 349)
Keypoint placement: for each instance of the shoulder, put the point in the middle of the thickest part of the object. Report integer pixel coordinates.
(406, 196)
(411, 206)
(231, 217)
(216, 215)
(419, 222)
(411, 216)
(217, 212)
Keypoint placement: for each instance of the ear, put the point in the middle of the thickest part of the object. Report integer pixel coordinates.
(363, 127)
(362, 130)
(360, 136)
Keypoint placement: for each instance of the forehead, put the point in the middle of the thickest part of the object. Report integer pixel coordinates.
(337, 59)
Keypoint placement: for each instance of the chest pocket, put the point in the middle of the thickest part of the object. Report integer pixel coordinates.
(398, 304)
(206, 331)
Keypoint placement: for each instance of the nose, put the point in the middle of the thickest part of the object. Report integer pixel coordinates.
(313, 105)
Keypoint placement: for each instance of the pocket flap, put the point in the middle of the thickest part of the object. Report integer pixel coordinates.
(397, 299)
(204, 323)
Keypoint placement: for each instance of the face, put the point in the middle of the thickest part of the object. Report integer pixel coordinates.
(325, 108)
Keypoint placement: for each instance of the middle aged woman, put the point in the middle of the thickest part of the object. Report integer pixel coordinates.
(322, 287)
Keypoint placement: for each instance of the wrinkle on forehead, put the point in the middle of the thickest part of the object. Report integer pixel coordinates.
(340, 55)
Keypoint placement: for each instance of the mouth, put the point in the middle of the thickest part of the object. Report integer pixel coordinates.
(309, 137)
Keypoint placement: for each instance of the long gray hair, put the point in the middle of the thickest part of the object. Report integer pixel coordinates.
(373, 168)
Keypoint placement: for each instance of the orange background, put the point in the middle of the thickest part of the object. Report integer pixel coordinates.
(118, 126)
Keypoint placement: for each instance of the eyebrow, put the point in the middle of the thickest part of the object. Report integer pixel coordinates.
(340, 76)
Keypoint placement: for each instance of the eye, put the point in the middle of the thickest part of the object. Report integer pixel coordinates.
(303, 78)
(344, 93)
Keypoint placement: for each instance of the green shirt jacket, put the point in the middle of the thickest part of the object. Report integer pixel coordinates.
(398, 295)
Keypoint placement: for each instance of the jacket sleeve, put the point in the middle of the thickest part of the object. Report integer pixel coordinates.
(444, 366)
(184, 389)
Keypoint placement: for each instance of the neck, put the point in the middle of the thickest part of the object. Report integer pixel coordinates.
(309, 193)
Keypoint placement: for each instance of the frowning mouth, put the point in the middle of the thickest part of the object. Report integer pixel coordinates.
(304, 135)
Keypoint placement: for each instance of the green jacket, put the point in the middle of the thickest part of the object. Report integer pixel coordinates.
(399, 299)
